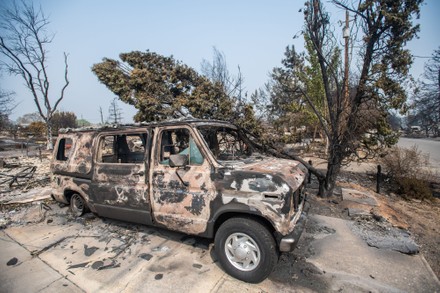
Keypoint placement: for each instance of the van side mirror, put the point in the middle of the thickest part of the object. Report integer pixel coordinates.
(178, 160)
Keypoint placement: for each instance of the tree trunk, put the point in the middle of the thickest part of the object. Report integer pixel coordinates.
(333, 170)
(315, 130)
(327, 142)
(49, 136)
(330, 178)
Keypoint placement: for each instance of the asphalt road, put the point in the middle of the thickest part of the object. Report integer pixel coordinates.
(426, 146)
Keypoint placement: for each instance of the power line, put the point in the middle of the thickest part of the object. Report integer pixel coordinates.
(423, 57)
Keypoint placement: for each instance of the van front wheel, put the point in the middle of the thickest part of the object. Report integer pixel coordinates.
(77, 205)
(246, 249)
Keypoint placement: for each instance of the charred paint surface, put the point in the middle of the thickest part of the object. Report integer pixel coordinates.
(120, 195)
(62, 185)
(182, 207)
(170, 192)
(267, 185)
(197, 205)
(120, 185)
(120, 172)
(174, 223)
(78, 154)
(181, 195)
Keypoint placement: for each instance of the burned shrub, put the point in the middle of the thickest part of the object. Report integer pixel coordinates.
(401, 162)
(408, 172)
(414, 188)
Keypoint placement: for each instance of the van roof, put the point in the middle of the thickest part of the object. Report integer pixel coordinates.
(184, 120)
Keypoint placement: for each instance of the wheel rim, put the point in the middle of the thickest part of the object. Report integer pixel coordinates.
(242, 251)
(77, 205)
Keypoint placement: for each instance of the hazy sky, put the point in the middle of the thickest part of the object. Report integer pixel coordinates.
(251, 33)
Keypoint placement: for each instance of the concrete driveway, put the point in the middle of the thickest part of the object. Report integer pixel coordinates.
(51, 252)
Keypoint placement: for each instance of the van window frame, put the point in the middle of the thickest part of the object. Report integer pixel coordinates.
(140, 133)
(192, 137)
(61, 149)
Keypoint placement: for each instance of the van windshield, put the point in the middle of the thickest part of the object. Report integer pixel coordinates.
(226, 143)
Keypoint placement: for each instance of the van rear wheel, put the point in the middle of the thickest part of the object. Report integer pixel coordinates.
(77, 205)
(246, 249)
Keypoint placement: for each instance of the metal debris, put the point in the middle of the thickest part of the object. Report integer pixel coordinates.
(20, 178)
(24, 180)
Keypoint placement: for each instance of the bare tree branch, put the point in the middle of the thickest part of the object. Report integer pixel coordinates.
(23, 41)
(317, 113)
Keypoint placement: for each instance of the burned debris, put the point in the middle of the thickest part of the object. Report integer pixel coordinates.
(19, 178)
(22, 177)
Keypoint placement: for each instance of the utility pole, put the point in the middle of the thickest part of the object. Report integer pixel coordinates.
(102, 116)
(346, 34)
(115, 113)
(438, 120)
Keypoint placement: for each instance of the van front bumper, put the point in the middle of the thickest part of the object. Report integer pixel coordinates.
(289, 242)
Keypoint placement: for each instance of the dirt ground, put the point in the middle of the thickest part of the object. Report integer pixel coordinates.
(420, 218)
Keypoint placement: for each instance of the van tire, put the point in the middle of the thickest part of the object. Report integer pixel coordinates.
(77, 205)
(246, 249)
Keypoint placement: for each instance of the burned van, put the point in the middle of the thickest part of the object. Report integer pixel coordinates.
(199, 177)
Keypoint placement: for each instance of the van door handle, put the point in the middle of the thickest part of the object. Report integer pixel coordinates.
(160, 172)
(140, 173)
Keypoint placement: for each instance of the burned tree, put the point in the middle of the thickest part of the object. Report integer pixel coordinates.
(23, 42)
(358, 102)
(217, 71)
(161, 87)
(427, 99)
(233, 86)
(6, 106)
(63, 119)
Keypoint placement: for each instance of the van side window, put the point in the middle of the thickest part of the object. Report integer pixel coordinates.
(179, 141)
(122, 148)
(64, 149)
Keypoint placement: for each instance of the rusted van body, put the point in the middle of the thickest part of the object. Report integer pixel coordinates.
(198, 177)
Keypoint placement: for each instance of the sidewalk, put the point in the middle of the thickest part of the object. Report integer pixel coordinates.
(20, 272)
(95, 255)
